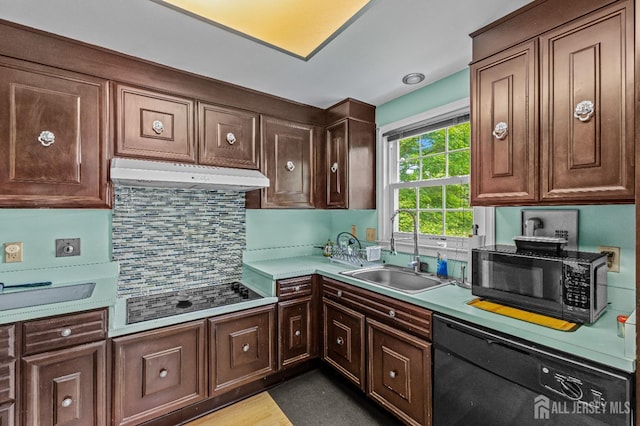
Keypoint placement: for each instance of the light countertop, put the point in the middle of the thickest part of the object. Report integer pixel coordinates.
(597, 342)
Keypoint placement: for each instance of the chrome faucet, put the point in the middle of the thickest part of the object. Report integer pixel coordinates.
(415, 262)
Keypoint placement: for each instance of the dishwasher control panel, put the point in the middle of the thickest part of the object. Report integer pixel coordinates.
(570, 386)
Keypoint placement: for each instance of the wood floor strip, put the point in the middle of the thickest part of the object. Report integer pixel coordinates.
(259, 410)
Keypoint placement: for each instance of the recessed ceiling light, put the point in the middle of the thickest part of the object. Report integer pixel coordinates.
(297, 27)
(413, 78)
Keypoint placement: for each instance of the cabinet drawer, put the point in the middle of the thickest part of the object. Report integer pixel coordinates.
(7, 382)
(154, 125)
(60, 332)
(158, 371)
(294, 287)
(7, 342)
(241, 348)
(400, 315)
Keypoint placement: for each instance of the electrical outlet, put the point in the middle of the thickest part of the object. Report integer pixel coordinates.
(613, 257)
(67, 247)
(354, 230)
(371, 234)
(12, 252)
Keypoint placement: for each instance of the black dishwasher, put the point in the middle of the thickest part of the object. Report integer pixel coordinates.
(482, 377)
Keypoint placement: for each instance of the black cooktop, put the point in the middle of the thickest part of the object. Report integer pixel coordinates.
(154, 306)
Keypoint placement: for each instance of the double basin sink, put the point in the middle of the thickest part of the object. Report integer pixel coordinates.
(398, 278)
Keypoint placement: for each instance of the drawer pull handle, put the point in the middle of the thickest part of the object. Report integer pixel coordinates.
(157, 126)
(297, 288)
(66, 332)
(340, 341)
(163, 373)
(290, 166)
(66, 403)
(584, 111)
(500, 131)
(392, 313)
(339, 293)
(297, 333)
(393, 374)
(334, 167)
(231, 138)
(245, 347)
(46, 138)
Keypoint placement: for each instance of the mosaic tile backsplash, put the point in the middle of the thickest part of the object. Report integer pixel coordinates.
(172, 239)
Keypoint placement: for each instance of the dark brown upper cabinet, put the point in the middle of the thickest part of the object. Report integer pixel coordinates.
(53, 137)
(153, 125)
(227, 137)
(565, 135)
(349, 168)
(288, 160)
(504, 132)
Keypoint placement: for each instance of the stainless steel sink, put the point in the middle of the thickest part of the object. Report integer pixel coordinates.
(43, 296)
(402, 279)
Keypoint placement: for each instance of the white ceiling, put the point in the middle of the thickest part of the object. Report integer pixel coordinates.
(366, 61)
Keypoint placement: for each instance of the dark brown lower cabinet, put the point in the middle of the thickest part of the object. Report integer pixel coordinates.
(343, 333)
(158, 371)
(296, 331)
(65, 387)
(399, 372)
(7, 415)
(242, 348)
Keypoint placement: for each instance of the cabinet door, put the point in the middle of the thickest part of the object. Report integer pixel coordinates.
(53, 137)
(154, 125)
(587, 112)
(66, 387)
(504, 160)
(157, 372)
(288, 159)
(343, 335)
(399, 373)
(296, 331)
(227, 137)
(241, 348)
(8, 415)
(337, 149)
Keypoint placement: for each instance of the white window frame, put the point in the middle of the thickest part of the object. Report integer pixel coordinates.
(456, 248)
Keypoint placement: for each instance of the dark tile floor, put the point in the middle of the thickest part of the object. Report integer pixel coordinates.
(321, 397)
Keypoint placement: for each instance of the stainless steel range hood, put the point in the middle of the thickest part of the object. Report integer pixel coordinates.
(158, 174)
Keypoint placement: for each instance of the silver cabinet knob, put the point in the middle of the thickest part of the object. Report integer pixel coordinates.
(393, 374)
(66, 403)
(500, 131)
(66, 332)
(340, 341)
(157, 127)
(339, 293)
(334, 167)
(245, 347)
(297, 288)
(392, 313)
(584, 110)
(163, 373)
(46, 138)
(231, 138)
(290, 166)
(297, 333)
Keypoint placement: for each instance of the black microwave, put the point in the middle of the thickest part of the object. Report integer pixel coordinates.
(569, 285)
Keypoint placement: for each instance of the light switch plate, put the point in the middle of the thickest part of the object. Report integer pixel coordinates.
(68, 247)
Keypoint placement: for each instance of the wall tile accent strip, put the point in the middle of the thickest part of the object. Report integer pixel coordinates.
(172, 239)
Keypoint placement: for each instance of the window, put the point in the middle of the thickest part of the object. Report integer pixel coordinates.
(425, 169)
(431, 179)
